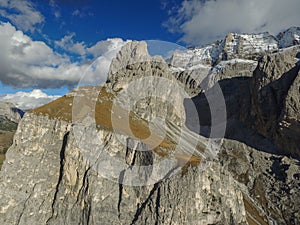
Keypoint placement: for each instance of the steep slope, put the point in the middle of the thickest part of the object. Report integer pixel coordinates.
(67, 162)
(289, 37)
(10, 112)
(9, 118)
(263, 113)
(275, 99)
(123, 153)
(236, 55)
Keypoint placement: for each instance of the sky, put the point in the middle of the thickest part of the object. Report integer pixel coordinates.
(49, 45)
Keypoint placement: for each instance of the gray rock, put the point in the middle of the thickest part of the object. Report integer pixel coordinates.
(48, 179)
(289, 37)
(275, 99)
(270, 180)
(10, 112)
(63, 172)
(228, 70)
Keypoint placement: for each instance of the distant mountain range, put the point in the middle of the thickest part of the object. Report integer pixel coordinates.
(28, 100)
(9, 119)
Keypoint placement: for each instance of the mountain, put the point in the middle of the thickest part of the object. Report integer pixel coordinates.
(208, 137)
(28, 100)
(9, 118)
(238, 51)
(289, 37)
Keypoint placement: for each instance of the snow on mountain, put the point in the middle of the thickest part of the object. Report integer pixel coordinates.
(244, 45)
(28, 100)
(192, 57)
(234, 46)
(289, 37)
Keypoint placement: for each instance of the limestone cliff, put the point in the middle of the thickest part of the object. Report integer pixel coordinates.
(129, 152)
(275, 99)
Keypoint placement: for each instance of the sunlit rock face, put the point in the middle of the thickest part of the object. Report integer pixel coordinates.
(123, 153)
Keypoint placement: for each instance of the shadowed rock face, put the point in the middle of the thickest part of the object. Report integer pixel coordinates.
(61, 172)
(262, 113)
(275, 99)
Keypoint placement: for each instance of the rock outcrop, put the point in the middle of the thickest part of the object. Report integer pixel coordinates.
(236, 56)
(275, 99)
(122, 153)
(94, 178)
(63, 187)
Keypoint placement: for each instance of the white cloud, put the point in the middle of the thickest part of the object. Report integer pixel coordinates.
(68, 44)
(109, 45)
(28, 63)
(205, 21)
(28, 100)
(21, 13)
(104, 52)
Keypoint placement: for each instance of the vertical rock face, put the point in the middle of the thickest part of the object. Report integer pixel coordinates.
(270, 179)
(275, 99)
(61, 170)
(57, 184)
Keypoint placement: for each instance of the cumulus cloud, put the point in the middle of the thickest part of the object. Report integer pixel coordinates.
(67, 43)
(21, 13)
(202, 22)
(28, 63)
(109, 45)
(28, 100)
(104, 52)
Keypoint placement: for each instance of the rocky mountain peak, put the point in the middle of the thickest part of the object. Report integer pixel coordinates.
(235, 46)
(136, 160)
(133, 62)
(289, 37)
(247, 45)
(131, 53)
(10, 112)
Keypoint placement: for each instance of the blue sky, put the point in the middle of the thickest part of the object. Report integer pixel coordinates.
(49, 44)
(87, 22)
(99, 20)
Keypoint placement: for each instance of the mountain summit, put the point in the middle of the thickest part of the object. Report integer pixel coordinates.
(209, 136)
